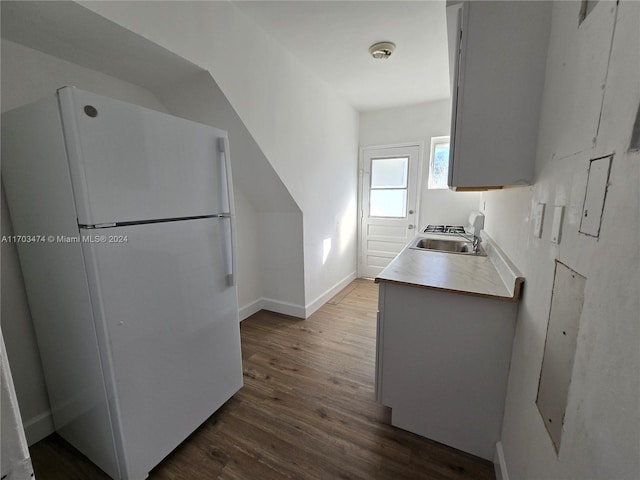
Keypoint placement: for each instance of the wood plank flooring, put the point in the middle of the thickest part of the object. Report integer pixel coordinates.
(307, 411)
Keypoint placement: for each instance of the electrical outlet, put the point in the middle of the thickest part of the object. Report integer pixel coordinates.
(537, 221)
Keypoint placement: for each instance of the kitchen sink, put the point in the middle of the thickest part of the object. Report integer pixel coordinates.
(464, 247)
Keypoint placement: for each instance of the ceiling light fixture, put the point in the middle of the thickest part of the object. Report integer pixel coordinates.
(382, 50)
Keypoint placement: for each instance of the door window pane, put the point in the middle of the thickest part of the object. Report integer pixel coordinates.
(389, 172)
(388, 203)
(388, 191)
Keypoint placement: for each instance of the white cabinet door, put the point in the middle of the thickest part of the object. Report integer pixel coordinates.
(499, 58)
(443, 364)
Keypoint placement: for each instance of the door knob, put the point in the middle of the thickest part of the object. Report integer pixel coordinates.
(410, 227)
(410, 212)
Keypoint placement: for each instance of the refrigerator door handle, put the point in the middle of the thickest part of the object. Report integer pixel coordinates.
(228, 250)
(225, 216)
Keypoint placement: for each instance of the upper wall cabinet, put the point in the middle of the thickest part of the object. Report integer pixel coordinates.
(497, 53)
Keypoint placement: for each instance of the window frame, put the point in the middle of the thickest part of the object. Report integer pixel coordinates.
(435, 142)
(403, 189)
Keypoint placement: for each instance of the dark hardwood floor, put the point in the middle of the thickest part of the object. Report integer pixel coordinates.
(307, 411)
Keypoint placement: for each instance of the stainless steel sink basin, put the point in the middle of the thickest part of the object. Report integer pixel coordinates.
(445, 245)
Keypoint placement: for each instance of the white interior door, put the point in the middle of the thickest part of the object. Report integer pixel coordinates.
(389, 192)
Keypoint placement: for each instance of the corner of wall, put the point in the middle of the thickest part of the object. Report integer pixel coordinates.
(313, 306)
(39, 427)
(499, 463)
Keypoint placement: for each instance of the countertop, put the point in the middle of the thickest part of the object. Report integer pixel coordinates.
(491, 276)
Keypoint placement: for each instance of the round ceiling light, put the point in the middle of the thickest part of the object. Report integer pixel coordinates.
(382, 50)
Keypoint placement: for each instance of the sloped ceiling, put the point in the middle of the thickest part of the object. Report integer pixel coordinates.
(73, 33)
(69, 31)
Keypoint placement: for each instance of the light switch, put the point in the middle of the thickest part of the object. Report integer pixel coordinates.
(539, 216)
(557, 223)
(595, 195)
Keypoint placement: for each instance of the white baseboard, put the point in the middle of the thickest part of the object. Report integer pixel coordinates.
(38, 427)
(285, 308)
(500, 464)
(328, 295)
(272, 305)
(250, 309)
(293, 309)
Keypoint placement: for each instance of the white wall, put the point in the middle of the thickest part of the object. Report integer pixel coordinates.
(248, 269)
(308, 133)
(601, 431)
(22, 350)
(418, 123)
(29, 75)
(279, 244)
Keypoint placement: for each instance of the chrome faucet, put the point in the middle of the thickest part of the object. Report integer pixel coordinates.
(475, 242)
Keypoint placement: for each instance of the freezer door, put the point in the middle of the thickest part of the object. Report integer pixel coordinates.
(170, 324)
(130, 163)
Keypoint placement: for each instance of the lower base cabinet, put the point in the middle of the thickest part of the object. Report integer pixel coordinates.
(442, 364)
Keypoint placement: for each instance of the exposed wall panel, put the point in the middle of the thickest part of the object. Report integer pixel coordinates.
(600, 437)
(578, 59)
(560, 349)
(595, 195)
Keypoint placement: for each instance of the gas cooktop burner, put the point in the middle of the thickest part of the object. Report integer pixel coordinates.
(457, 229)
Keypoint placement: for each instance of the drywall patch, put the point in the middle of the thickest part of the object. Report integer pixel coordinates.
(635, 133)
(559, 349)
(595, 195)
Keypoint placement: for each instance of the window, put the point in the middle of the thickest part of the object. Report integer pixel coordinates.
(439, 163)
(388, 192)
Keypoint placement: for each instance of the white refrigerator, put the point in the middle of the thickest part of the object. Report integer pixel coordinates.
(124, 223)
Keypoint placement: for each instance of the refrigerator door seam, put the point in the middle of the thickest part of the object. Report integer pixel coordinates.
(145, 222)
